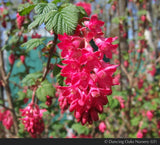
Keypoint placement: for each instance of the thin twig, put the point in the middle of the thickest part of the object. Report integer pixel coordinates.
(50, 56)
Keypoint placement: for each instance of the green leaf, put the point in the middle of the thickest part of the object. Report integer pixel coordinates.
(115, 20)
(43, 105)
(142, 12)
(135, 121)
(1, 101)
(82, 12)
(25, 9)
(29, 93)
(113, 103)
(35, 1)
(144, 125)
(45, 89)
(102, 116)
(109, 1)
(60, 80)
(64, 21)
(56, 1)
(32, 43)
(56, 70)
(37, 22)
(14, 39)
(80, 129)
(43, 8)
(21, 95)
(6, 47)
(30, 79)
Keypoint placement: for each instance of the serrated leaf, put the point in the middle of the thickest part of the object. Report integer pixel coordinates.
(32, 43)
(30, 79)
(37, 22)
(82, 12)
(25, 9)
(64, 21)
(45, 89)
(43, 8)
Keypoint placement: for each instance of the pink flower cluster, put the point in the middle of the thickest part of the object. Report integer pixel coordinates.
(149, 115)
(32, 120)
(142, 133)
(88, 78)
(140, 83)
(4, 24)
(152, 71)
(6, 118)
(102, 127)
(36, 35)
(11, 59)
(22, 58)
(25, 38)
(20, 20)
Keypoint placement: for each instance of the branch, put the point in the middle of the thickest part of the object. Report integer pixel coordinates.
(50, 56)
(9, 73)
(20, 87)
(6, 107)
(125, 71)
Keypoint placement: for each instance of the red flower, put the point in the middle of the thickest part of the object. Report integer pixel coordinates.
(150, 115)
(36, 35)
(32, 119)
(139, 134)
(49, 101)
(11, 59)
(20, 20)
(140, 83)
(25, 38)
(88, 78)
(126, 63)
(22, 58)
(86, 6)
(6, 118)
(102, 127)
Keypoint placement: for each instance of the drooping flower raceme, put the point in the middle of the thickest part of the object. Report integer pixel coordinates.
(6, 118)
(88, 78)
(20, 20)
(32, 120)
